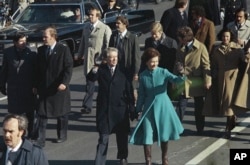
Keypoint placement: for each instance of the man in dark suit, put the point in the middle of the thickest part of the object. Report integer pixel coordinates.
(18, 73)
(174, 18)
(114, 102)
(16, 149)
(55, 66)
(129, 50)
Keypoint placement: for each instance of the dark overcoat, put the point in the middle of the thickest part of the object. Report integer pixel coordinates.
(29, 154)
(53, 71)
(131, 51)
(19, 73)
(171, 20)
(167, 48)
(115, 95)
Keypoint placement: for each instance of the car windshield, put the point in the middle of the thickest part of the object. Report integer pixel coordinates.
(51, 14)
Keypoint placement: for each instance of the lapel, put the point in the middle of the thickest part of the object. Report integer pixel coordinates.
(3, 149)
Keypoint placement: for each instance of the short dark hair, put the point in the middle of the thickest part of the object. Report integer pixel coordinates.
(185, 33)
(198, 10)
(149, 53)
(123, 19)
(224, 30)
(241, 10)
(22, 121)
(180, 3)
(18, 36)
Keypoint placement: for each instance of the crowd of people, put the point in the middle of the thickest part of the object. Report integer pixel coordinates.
(181, 60)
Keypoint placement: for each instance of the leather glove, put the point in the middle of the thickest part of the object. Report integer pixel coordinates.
(3, 90)
(133, 114)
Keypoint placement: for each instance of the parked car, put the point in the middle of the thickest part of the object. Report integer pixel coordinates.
(38, 15)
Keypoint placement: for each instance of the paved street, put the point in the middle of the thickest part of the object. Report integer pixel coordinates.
(80, 148)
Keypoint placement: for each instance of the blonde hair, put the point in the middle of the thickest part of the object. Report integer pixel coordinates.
(156, 27)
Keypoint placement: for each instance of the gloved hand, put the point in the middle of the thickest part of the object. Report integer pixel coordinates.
(222, 15)
(3, 90)
(179, 67)
(133, 114)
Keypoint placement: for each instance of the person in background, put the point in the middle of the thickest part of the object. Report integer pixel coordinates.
(115, 95)
(228, 8)
(203, 28)
(19, 74)
(211, 8)
(225, 60)
(167, 48)
(77, 16)
(164, 44)
(194, 58)
(16, 149)
(129, 50)
(95, 39)
(174, 18)
(159, 121)
(113, 5)
(55, 65)
(240, 27)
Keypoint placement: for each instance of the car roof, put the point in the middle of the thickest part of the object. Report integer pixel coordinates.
(63, 1)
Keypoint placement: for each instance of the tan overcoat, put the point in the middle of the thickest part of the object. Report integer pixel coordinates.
(225, 62)
(206, 33)
(196, 67)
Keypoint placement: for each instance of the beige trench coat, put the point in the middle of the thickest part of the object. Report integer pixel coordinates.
(196, 67)
(243, 95)
(225, 72)
(93, 43)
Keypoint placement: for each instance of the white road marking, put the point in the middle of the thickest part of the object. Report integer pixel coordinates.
(3, 98)
(217, 144)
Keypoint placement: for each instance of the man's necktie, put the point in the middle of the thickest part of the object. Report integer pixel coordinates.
(48, 51)
(91, 27)
(112, 71)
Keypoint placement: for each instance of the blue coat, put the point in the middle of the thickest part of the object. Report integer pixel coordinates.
(152, 96)
(29, 154)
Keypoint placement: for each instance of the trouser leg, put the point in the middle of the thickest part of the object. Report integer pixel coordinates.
(62, 126)
(147, 153)
(42, 129)
(164, 151)
(122, 144)
(199, 118)
(181, 106)
(30, 117)
(88, 98)
(102, 149)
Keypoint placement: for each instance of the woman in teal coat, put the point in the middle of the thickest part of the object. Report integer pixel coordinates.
(159, 121)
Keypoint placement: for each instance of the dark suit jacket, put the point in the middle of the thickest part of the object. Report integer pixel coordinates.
(171, 20)
(131, 51)
(19, 74)
(115, 96)
(29, 154)
(55, 70)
